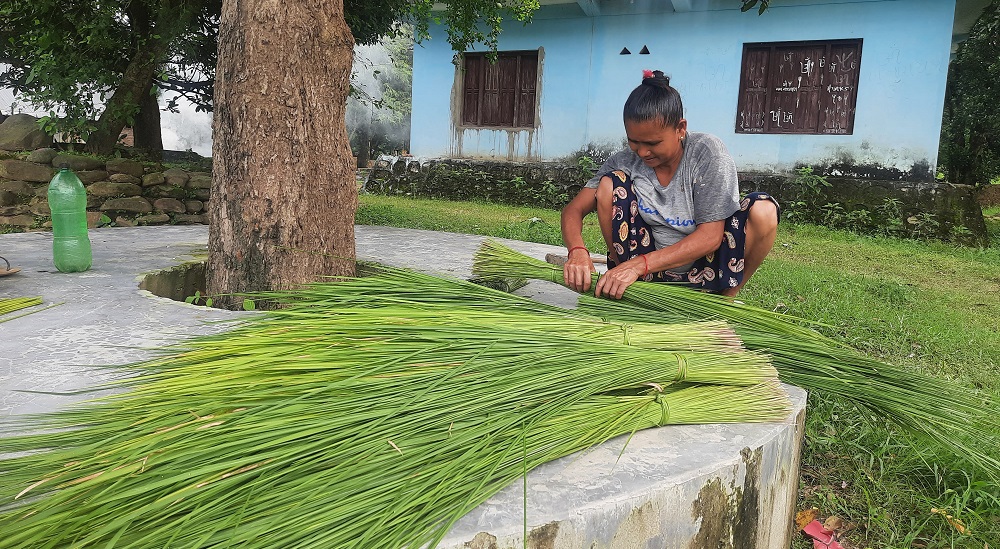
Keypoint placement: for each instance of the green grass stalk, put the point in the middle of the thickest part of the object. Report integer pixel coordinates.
(958, 418)
(339, 421)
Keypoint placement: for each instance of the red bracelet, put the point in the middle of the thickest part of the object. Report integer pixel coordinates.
(577, 248)
(646, 263)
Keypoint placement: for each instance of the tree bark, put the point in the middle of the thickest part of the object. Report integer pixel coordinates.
(283, 189)
(364, 145)
(170, 18)
(146, 131)
(135, 84)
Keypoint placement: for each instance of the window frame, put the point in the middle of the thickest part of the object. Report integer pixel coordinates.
(521, 87)
(772, 100)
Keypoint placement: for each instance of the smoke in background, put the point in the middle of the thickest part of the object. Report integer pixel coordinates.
(377, 113)
(378, 110)
(185, 130)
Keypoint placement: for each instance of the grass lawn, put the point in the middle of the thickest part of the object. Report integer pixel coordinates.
(927, 306)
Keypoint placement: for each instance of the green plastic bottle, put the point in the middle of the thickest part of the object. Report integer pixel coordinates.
(70, 241)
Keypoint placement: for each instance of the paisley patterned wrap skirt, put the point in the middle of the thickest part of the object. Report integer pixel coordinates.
(715, 272)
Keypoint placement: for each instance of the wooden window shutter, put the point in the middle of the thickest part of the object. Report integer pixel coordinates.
(794, 85)
(752, 105)
(507, 82)
(799, 87)
(840, 94)
(490, 109)
(527, 79)
(501, 94)
(472, 84)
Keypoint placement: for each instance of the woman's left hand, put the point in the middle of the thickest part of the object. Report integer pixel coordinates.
(614, 282)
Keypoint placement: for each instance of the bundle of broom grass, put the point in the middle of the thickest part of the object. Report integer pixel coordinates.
(12, 304)
(951, 416)
(371, 412)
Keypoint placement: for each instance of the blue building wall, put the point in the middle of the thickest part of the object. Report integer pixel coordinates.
(584, 80)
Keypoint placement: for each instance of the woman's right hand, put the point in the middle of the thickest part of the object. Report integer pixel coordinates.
(577, 270)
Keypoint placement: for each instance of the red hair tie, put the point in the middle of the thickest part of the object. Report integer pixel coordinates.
(646, 73)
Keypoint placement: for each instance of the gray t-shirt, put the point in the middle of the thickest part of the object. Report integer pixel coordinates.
(705, 188)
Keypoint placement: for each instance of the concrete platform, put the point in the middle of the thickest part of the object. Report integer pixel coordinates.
(691, 487)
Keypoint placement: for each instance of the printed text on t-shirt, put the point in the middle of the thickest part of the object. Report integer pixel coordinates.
(673, 221)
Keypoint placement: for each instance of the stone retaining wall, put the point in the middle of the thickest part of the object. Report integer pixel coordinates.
(956, 213)
(124, 192)
(541, 184)
(121, 192)
(953, 208)
(989, 196)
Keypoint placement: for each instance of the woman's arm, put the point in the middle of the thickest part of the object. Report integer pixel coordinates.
(578, 266)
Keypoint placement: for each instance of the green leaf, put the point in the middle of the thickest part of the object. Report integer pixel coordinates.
(249, 305)
(208, 302)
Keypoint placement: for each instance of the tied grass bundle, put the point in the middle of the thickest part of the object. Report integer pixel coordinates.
(10, 305)
(951, 416)
(368, 413)
(445, 301)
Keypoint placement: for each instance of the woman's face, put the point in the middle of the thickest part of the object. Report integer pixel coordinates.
(658, 145)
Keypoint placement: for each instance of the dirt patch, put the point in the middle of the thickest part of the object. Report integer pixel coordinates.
(715, 511)
(483, 540)
(745, 529)
(989, 197)
(543, 537)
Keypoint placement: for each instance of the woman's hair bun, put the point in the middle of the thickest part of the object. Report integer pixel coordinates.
(655, 78)
(654, 99)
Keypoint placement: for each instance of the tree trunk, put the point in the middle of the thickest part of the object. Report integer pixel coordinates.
(364, 145)
(171, 18)
(146, 130)
(123, 105)
(283, 190)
